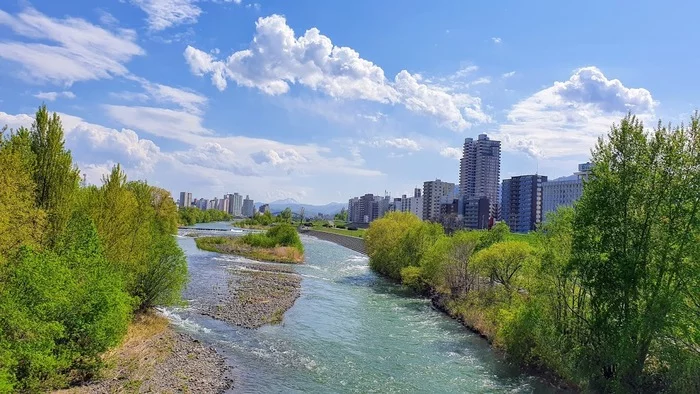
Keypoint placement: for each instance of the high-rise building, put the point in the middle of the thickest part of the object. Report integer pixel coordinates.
(479, 171)
(185, 199)
(248, 208)
(521, 202)
(203, 204)
(565, 191)
(264, 208)
(476, 213)
(235, 205)
(223, 204)
(435, 193)
(367, 208)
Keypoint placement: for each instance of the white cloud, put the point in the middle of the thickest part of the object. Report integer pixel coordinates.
(403, 143)
(188, 100)
(66, 50)
(277, 59)
(508, 74)
(452, 153)
(51, 96)
(496, 40)
(482, 81)
(161, 122)
(163, 14)
(566, 118)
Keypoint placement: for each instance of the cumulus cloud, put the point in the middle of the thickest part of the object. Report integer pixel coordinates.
(66, 50)
(496, 40)
(403, 143)
(452, 153)
(163, 14)
(51, 96)
(508, 74)
(277, 59)
(482, 81)
(566, 118)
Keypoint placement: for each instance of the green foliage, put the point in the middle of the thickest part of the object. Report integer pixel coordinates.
(285, 216)
(259, 219)
(192, 215)
(635, 248)
(59, 311)
(55, 176)
(74, 262)
(342, 215)
(279, 235)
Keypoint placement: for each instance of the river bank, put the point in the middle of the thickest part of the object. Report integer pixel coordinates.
(352, 243)
(156, 358)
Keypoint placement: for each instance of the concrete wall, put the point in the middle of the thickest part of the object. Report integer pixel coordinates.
(352, 243)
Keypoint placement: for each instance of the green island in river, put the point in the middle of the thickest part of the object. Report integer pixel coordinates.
(279, 244)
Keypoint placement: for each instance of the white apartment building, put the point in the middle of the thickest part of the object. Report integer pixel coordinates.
(564, 192)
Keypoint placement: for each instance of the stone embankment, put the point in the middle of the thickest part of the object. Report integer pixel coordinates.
(352, 243)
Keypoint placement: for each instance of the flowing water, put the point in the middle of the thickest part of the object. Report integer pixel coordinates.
(350, 331)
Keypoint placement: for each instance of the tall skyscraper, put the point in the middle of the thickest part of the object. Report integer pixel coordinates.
(185, 199)
(235, 204)
(435, 193)
(521, 202)
(479, 175)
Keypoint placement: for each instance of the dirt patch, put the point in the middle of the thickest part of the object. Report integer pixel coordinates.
(155, 359)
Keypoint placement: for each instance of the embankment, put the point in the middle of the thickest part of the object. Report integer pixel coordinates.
(352, 243)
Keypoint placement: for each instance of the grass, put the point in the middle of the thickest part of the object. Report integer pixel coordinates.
(237, 246)
(359, 233)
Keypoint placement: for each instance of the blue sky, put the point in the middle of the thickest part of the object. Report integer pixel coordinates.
(323, 100)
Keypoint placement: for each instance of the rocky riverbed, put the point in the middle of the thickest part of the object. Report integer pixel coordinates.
(257, 294)
(156, 359)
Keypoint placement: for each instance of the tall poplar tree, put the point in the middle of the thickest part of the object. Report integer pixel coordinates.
(55, 175)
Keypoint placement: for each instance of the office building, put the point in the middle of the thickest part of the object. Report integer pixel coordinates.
(564, 191)
(248, 207)
(223, 205)
(521, 202)
(185, 199)
(264, 208)
(476, 213)
(365, 209)
(435, 193)
(479, 171)
(203, 204)
(235, 206)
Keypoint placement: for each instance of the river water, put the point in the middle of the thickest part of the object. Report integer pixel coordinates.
(350, 331)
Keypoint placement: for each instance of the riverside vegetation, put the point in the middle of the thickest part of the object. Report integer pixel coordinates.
(605, 295)
(280, 244)
(192, 215)
(76, 263)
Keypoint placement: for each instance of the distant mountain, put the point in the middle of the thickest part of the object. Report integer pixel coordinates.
(566, 178)
(309, 209)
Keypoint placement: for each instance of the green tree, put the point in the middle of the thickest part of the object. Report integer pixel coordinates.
(635, 249)
(55, 176)
(285, 216)
(21, 222)
(503, 261)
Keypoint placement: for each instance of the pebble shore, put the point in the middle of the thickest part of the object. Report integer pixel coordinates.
(257, 294)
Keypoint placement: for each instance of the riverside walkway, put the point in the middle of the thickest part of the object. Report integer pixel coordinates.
(352, 243)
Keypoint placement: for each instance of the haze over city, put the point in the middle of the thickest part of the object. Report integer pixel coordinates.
(321, 101)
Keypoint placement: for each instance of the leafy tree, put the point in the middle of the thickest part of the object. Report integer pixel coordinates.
(55, 176)
(635, 249)
(342, 215)
(21, 222)
(502, 261)
(285, 216)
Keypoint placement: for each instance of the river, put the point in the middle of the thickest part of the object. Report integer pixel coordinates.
(350, 331)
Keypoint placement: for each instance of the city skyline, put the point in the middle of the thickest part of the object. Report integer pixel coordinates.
(316, 100)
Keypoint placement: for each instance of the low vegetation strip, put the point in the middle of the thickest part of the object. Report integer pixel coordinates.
(256, 294)
(154, 358)
(280, 244)
(359, 233)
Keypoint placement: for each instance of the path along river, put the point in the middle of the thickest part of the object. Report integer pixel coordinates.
(350, 331)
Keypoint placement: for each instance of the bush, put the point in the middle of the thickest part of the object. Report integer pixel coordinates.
(280, 235)
(352, 228)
